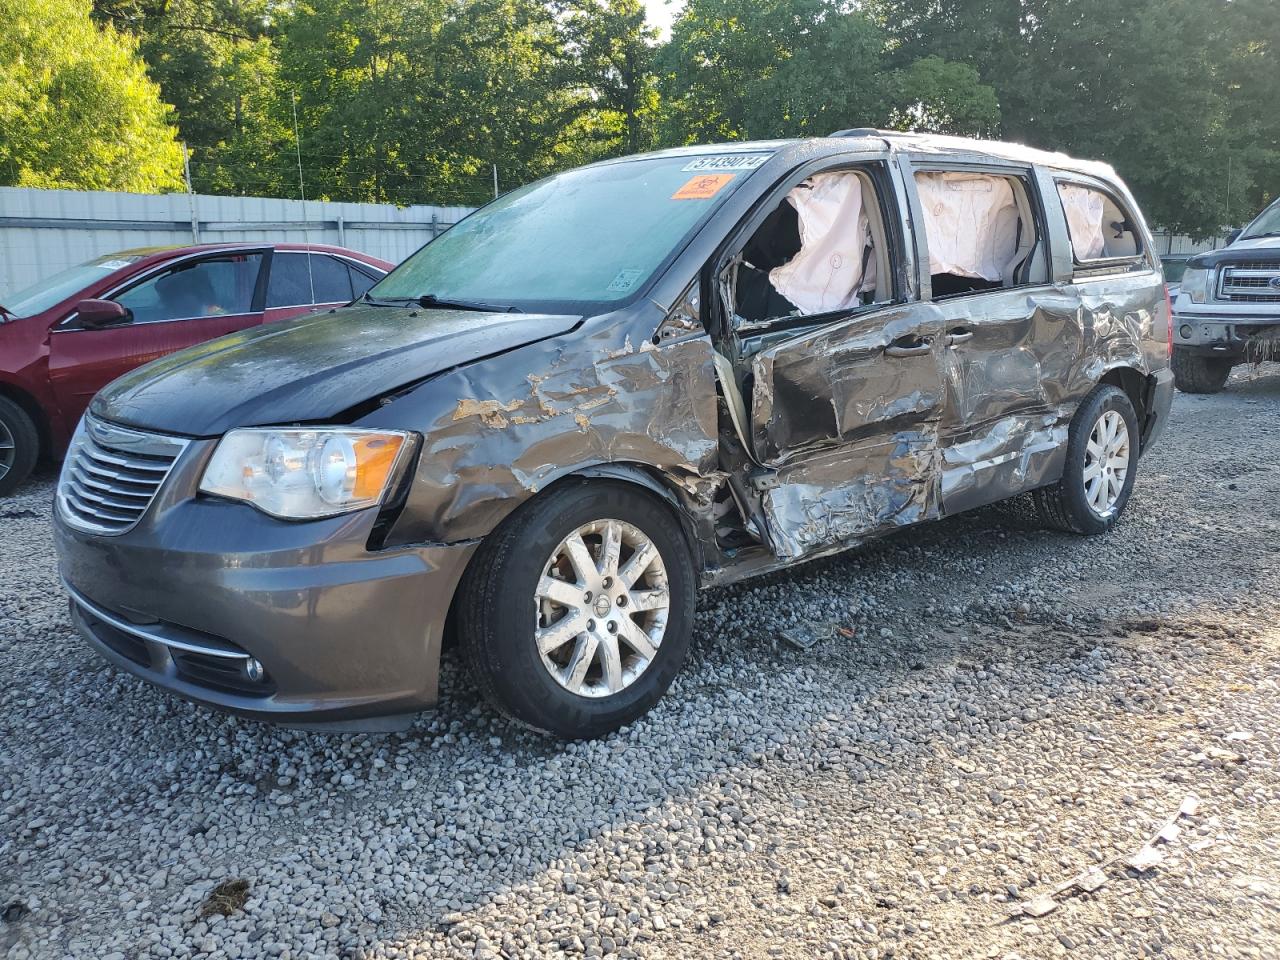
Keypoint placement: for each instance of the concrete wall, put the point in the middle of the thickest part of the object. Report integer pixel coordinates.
(44, 231)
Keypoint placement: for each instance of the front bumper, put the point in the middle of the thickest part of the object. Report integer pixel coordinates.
(1221, 334)
(347, 638)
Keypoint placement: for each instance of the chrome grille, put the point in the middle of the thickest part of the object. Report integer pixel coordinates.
(1249, 282)
(111, 475)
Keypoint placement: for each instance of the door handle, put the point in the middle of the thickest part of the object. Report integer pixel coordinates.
(909, 346)
(958, 335)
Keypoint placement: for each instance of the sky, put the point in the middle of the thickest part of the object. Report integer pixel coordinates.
(661, 13)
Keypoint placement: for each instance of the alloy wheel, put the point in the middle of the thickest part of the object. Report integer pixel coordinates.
(1106, 463)
(601, 608)
(8, 450)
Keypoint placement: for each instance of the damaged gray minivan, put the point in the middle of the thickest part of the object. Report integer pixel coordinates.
(548, 427)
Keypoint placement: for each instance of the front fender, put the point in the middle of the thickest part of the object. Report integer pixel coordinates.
(498, 432)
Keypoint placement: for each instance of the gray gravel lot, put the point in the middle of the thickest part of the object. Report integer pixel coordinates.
(1005, 708)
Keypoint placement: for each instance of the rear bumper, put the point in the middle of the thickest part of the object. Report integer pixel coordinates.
(1159, 401)
(346, 638)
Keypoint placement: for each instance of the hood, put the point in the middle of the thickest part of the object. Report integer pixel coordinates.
(312, 368)
(1242, 251)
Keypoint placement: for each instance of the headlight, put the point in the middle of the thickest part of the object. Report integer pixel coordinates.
(303, 474)
(1195, 284)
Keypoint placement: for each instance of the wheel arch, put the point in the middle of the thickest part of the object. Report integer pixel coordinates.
(652, 481)
(32, 408)
(1134, 383)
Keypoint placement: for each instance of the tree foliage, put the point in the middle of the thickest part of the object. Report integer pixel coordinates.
(419, 100)
(77, 109)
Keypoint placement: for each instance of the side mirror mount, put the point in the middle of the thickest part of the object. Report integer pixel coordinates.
(1233, 236)
(96, 314)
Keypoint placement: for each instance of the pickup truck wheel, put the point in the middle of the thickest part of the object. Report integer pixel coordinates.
(1101, 465)
(577, 611)
(1196, 373)
(19, 446)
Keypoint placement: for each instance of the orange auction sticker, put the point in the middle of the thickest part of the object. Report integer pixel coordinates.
(703, 187)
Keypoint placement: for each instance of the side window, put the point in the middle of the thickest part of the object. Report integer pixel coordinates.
(821, 250)
(982, 232)
(1100, 228)
(361, 282)
(332, 279)
(290, 283)
(212, 287)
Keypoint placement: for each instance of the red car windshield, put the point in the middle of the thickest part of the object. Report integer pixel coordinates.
(42, 295)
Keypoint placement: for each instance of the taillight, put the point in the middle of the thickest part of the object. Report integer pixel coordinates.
(1168, 305)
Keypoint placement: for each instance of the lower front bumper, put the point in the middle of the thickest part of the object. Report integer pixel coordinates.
(1228, 336)
(345, 638)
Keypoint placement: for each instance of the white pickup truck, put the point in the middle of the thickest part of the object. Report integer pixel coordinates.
(1228, 308)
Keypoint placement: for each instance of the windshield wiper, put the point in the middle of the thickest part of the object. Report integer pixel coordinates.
(432, 302)
(6, 312)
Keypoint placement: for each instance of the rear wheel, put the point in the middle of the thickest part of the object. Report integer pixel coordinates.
(1101, 465)
(577, 612)
(19, 445)
(1197, 373)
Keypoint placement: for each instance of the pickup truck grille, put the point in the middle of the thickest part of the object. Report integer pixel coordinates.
(1249, 282)
(112, 474)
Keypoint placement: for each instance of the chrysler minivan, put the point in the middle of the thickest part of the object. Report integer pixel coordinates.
(546, 430)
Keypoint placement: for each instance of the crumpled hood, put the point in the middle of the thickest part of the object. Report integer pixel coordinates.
(311, 368)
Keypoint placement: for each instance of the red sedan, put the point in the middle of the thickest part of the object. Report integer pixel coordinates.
(69, 335)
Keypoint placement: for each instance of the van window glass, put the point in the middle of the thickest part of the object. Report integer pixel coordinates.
(816, 252)
(216, 286)
(594, 235)
(1100, 229)
(981, 232)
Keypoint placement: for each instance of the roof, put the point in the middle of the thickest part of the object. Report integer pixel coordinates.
(872, 138)
(192, 248)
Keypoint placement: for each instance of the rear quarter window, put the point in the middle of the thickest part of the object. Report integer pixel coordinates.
(1101, 228)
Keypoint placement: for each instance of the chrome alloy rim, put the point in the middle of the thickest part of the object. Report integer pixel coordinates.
(8, 450)
(601, 608)
(1106, 463)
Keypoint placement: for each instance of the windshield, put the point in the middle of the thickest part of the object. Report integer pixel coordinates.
(591, 236)
(51, 290)
(1266, 225)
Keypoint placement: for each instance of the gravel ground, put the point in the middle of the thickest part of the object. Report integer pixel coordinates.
(1004, 709)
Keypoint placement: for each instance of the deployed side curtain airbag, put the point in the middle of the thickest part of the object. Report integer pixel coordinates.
(834, 264)
(1085, 210)
(971, 221)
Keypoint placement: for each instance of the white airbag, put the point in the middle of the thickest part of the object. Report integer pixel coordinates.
(828, 273)
(1085, 210)
(971, 221)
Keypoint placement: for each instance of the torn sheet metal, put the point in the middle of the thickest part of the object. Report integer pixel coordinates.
(506, 429)
(849, 495)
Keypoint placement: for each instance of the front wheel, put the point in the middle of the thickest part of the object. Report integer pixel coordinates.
(1101, 465)
(19, 446)
(1197, 373)
(577, 612)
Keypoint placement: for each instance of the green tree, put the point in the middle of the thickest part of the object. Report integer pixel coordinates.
(751, 69)
(1168, 91)
(77, 109)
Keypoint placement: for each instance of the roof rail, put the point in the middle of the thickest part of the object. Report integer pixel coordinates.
(863, 132)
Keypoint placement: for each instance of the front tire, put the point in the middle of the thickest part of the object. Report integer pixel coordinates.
(577, 611)
(19, 446)
(1101, 465)
(1196, 373)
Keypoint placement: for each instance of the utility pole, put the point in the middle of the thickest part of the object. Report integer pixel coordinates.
(495, 181)
(191, 194)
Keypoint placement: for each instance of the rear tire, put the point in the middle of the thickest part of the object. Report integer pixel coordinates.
(1101, 465)
(526, 649)
(1196, 373)
(19, 446)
